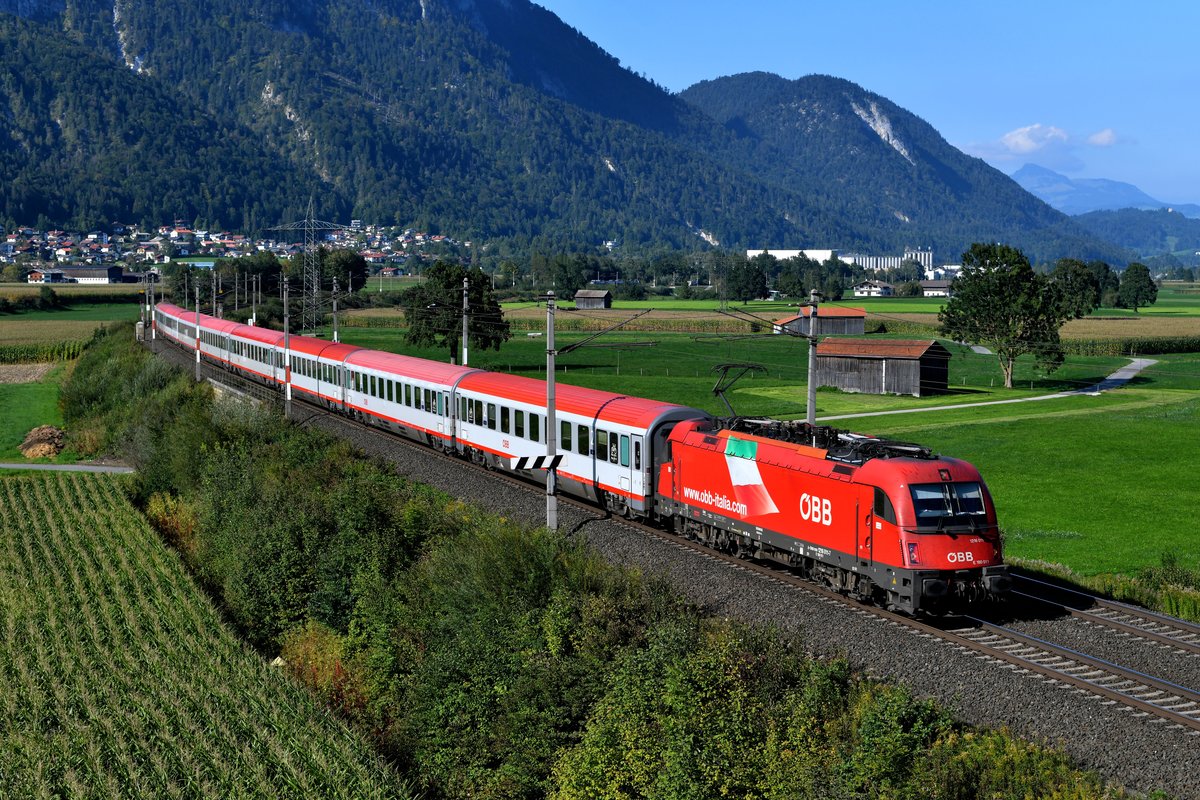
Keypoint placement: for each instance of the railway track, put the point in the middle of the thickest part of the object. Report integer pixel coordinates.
(1143, 695)
(1121, 617)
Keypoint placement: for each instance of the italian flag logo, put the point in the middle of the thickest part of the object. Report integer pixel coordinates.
(747, 481)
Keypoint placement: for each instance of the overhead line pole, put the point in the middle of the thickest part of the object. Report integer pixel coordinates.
(814, 298)
(551, 420)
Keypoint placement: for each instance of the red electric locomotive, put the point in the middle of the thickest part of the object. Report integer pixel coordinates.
(886, 521)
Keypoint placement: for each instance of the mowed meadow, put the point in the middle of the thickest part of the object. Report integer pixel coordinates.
(118, 677)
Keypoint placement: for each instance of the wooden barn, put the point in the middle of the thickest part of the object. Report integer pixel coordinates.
(883, 366)
(586, 299)
(831, 321)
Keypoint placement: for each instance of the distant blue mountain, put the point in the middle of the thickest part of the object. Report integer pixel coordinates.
(1080, 196)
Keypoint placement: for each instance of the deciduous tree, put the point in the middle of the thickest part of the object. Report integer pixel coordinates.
(1137, 287)
(999, 301)
(434, 310)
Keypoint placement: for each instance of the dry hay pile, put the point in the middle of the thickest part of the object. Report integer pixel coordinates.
(45, 441)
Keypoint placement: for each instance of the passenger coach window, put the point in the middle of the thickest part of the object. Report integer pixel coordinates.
(535, 433)
(602, 445)
(624, 451)
(564, 436)
(637, 455)
(462, 409)
(504, 419)
(491, 417)
(519, 426)
(613, 440)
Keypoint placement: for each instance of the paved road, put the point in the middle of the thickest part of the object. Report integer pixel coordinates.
(1113, 381)
(72, 467)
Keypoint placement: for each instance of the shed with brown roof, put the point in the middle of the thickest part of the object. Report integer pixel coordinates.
(883, 366)
(831, 320)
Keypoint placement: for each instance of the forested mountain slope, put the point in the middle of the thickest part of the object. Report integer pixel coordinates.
(488, 119)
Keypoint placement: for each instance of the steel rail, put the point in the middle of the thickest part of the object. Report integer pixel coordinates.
(1139, 622)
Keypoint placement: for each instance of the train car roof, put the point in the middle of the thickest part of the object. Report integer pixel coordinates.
(320, 348)
(407, 366)
(255, 333)
(637, 412)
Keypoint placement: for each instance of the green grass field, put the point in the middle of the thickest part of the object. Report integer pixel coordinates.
(118, 677)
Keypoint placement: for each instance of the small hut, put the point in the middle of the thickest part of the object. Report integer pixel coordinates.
(883, 366)
(592, 299)
(831, 320)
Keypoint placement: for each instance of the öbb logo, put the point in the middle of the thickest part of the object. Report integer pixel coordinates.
(816, 509)
(960, 558)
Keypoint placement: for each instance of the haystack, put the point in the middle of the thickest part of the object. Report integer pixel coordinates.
(45, 441)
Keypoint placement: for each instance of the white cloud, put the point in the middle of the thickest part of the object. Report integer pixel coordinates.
(1033, 138)
(1104, 138)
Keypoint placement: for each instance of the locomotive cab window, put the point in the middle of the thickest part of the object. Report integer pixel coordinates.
(884, 509)
(934, 502)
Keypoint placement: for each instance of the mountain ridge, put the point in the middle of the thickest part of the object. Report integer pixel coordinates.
(1076, 196)
(494, 120)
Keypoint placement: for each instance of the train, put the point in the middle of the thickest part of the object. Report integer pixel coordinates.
(886, 522)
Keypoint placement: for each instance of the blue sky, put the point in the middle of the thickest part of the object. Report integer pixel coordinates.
(1095, 89)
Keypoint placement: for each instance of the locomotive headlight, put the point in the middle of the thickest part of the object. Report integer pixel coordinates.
(912, 553)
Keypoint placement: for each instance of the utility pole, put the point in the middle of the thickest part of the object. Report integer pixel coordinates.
(551, 421)
(197, 331)
(287, 357)
(335, 295)
(465, 329)
(813, 298)
(214, 291)
(254, 302)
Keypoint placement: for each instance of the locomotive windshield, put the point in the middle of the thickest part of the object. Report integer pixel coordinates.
(941, 502)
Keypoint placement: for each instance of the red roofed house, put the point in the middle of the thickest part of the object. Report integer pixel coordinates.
(883, 366)
(830, 320)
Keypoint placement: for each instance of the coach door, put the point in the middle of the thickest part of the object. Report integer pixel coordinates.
(637, 466)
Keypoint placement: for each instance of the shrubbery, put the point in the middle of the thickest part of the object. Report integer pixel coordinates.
(490, 660)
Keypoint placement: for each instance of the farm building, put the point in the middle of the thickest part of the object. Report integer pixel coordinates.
(883, 366)
(586, 299)
(873, 289)
(94, 275)
(936, 288)
(831, 320)
(46, 276)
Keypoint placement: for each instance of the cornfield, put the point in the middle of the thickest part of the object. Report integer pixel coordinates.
(119, 679)
(41, 352)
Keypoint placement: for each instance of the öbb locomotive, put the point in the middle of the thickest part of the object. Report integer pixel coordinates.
(884, 521)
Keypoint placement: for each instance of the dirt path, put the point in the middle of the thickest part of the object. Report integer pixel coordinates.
(23, 373)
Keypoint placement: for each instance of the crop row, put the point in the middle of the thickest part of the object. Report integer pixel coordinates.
(118, 678)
